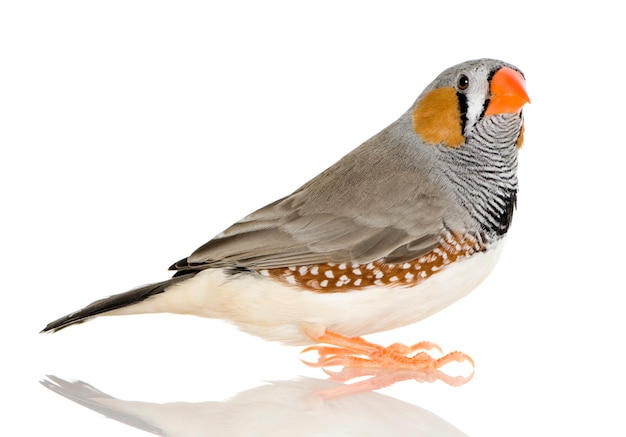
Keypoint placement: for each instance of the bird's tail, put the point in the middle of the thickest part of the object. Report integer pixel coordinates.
(114, 302)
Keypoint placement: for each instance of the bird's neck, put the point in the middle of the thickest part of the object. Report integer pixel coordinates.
(483, 173)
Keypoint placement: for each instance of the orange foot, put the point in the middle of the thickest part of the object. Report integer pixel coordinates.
(357, 358)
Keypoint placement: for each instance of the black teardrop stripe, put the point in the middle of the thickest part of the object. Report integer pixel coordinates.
(462, 98)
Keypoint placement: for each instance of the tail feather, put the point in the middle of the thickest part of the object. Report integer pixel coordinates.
(114, 302)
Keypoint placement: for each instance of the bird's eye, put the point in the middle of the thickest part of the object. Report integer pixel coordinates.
(462, 82)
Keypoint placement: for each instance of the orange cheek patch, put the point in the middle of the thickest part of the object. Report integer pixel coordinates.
(437, 118)
(520, 139)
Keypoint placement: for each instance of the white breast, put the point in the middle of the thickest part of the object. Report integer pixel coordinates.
(278, 311)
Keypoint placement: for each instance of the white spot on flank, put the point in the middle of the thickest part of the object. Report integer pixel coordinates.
(406, 266)
(302, 270)
(315, 270)
(357, 282)
(422, 274)
(342, 266)
(329, 274)
(357, 271)
(370, 266)
(324, 283)
(344, 278)
(409, 276)
(291, 279)
(264, 272)
(339, 283)
(378, 274)
(393, 279)
(313, 284)
(378, 282)
(292, 268)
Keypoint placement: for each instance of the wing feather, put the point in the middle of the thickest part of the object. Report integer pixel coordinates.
(374, 203)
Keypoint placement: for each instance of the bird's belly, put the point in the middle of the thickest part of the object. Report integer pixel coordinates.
(277, 311)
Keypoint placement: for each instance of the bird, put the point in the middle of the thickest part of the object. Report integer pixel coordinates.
(398, 229)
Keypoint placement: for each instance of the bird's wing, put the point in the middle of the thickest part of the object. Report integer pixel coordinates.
(365, 207)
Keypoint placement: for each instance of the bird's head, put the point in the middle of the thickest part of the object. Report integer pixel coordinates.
(448, 110)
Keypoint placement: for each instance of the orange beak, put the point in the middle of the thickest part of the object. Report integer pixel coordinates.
(508, 90)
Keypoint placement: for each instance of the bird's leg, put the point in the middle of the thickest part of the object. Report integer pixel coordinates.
(355, 352)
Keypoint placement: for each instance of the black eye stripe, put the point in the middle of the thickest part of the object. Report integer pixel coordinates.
(462, 109)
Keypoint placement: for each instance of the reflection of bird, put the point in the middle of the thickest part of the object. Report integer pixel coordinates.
(281, 408)
(398, 229)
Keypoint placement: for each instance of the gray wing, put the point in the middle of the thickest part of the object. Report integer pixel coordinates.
(377, 202)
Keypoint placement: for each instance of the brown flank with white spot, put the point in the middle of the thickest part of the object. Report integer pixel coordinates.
(351, 276)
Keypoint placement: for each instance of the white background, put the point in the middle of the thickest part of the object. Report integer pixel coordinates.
(131, 132)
